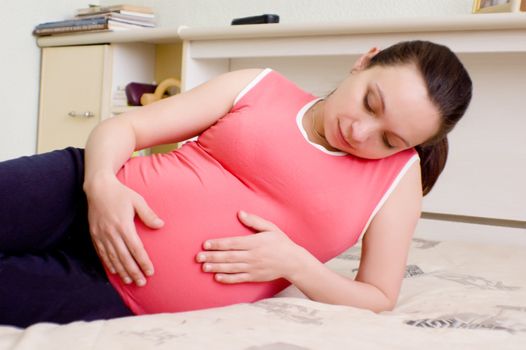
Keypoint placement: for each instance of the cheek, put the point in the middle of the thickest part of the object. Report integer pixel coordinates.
(342, 103)
(330, 118)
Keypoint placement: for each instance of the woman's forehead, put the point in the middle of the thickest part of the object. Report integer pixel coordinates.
(408, 108)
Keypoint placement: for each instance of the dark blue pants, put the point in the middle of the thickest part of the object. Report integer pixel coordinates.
(49, 270)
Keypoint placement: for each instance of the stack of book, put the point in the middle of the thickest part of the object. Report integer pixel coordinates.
(119, 98)
(101, 18)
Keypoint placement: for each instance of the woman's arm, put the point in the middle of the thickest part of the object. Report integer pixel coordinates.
(270, 254)
(384, 255)
(112, 206)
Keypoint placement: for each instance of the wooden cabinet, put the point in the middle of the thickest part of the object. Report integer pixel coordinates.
(78, 84)
(74, 94)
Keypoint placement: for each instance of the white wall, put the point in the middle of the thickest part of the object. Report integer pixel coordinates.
(20, 55)
(217, 12)
(20, 70)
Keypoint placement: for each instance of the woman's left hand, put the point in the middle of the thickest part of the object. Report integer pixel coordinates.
(267, 255)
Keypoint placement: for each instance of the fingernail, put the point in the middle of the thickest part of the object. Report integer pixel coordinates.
(242, 214)
(201, 257)
(206, 267)
(219, 277)
(158, 222)
(207, 245)
(112, 270)
(140, 282)
(149, 272)
(127, 280)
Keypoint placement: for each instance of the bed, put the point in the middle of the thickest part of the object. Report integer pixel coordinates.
(455, 294)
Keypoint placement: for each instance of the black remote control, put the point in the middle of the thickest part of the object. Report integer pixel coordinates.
(267, 18)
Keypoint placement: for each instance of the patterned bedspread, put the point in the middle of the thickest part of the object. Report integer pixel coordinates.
(455, 296)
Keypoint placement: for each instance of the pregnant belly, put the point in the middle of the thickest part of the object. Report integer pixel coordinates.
(194, 209)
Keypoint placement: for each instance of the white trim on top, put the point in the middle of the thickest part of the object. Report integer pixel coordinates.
(387, 193)
(253, 83)
(299, 122)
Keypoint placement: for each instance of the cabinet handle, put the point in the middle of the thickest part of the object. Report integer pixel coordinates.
(86, 114)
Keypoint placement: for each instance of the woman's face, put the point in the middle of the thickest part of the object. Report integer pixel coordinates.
(380, 111)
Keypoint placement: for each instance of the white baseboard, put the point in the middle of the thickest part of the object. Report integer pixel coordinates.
(470, 232)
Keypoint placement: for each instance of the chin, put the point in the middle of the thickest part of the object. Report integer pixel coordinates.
(363, 155)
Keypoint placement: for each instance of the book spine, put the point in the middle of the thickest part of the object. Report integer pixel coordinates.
(70, 29)
(119, 17)
(73, 22)
(131, 23)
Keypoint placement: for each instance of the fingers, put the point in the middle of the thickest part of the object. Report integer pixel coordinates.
(111, 213)
(129, 251)
(223, 257)
(231, 243)
(124, 264)
(225, 268)
(255, 222)
(229, 267)
(139, 257)
(129, 264)
(147, 215)
(125, 255)
(233, 278)
(101, 251)
(229, 272)
(116, 263)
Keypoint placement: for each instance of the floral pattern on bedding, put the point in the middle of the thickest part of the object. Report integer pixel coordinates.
(290, 312)
(420, 243)
(156, 336)
(470, 321)
(474, 281)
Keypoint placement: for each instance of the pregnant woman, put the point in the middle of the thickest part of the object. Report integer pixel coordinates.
(278, 182)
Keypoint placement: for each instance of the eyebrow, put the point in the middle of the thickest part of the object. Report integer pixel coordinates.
(382, 105)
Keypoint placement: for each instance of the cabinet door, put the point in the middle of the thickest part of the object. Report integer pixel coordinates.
(73, 94)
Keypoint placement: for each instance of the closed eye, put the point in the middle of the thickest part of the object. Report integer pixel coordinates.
(368, 107)
(386, 142)
(366, 103)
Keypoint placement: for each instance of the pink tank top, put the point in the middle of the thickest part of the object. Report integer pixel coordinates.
(256, 158)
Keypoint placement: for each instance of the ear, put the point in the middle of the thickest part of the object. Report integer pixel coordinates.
(363, 61)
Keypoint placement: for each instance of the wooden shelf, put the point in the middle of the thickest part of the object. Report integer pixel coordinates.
(471, 22)
(150, 35)
(475, 26)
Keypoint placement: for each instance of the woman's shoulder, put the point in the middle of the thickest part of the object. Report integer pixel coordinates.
(401, 207)
(254, 75)
(245, 75)
(266, 81)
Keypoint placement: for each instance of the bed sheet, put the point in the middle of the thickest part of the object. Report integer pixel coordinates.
(455, 295)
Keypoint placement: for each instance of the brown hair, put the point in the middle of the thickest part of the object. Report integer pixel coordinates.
(449, 87)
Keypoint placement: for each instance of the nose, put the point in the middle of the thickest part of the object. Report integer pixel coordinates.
(363, 129)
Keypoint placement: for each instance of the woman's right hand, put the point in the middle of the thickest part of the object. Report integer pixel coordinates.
(111, 210)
